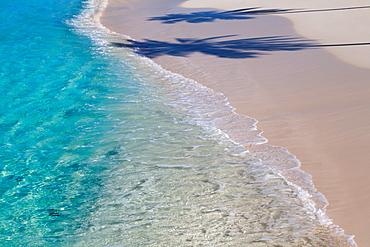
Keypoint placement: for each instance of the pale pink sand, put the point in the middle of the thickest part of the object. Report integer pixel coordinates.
(328, 22)
(308, 101)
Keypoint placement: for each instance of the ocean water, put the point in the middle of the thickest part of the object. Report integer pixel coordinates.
(102, 147)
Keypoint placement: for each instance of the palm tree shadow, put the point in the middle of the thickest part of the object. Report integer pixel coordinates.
(238, 14)
(210, 16)
(218, 46)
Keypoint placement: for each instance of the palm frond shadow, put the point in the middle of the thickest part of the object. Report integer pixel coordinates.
(210, 16)
(238, 14)
(218, 46)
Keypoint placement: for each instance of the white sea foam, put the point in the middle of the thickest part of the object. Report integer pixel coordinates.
(212, 112)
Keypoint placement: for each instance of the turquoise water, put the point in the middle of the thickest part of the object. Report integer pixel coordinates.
(55, 110)
(101, 147)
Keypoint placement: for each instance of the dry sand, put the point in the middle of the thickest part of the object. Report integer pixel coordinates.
(328, 22)
(304, 97)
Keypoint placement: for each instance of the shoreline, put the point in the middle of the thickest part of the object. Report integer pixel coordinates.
(279, 97)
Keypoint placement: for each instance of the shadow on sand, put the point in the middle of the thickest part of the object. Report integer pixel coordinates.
(239, 14)
(220, 46)
(210, 16)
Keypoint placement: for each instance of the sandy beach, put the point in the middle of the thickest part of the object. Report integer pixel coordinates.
(303, 71)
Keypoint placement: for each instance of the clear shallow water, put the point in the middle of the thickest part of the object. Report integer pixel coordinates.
(100, 147)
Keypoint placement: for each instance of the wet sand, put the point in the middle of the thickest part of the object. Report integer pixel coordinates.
(304, 97)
